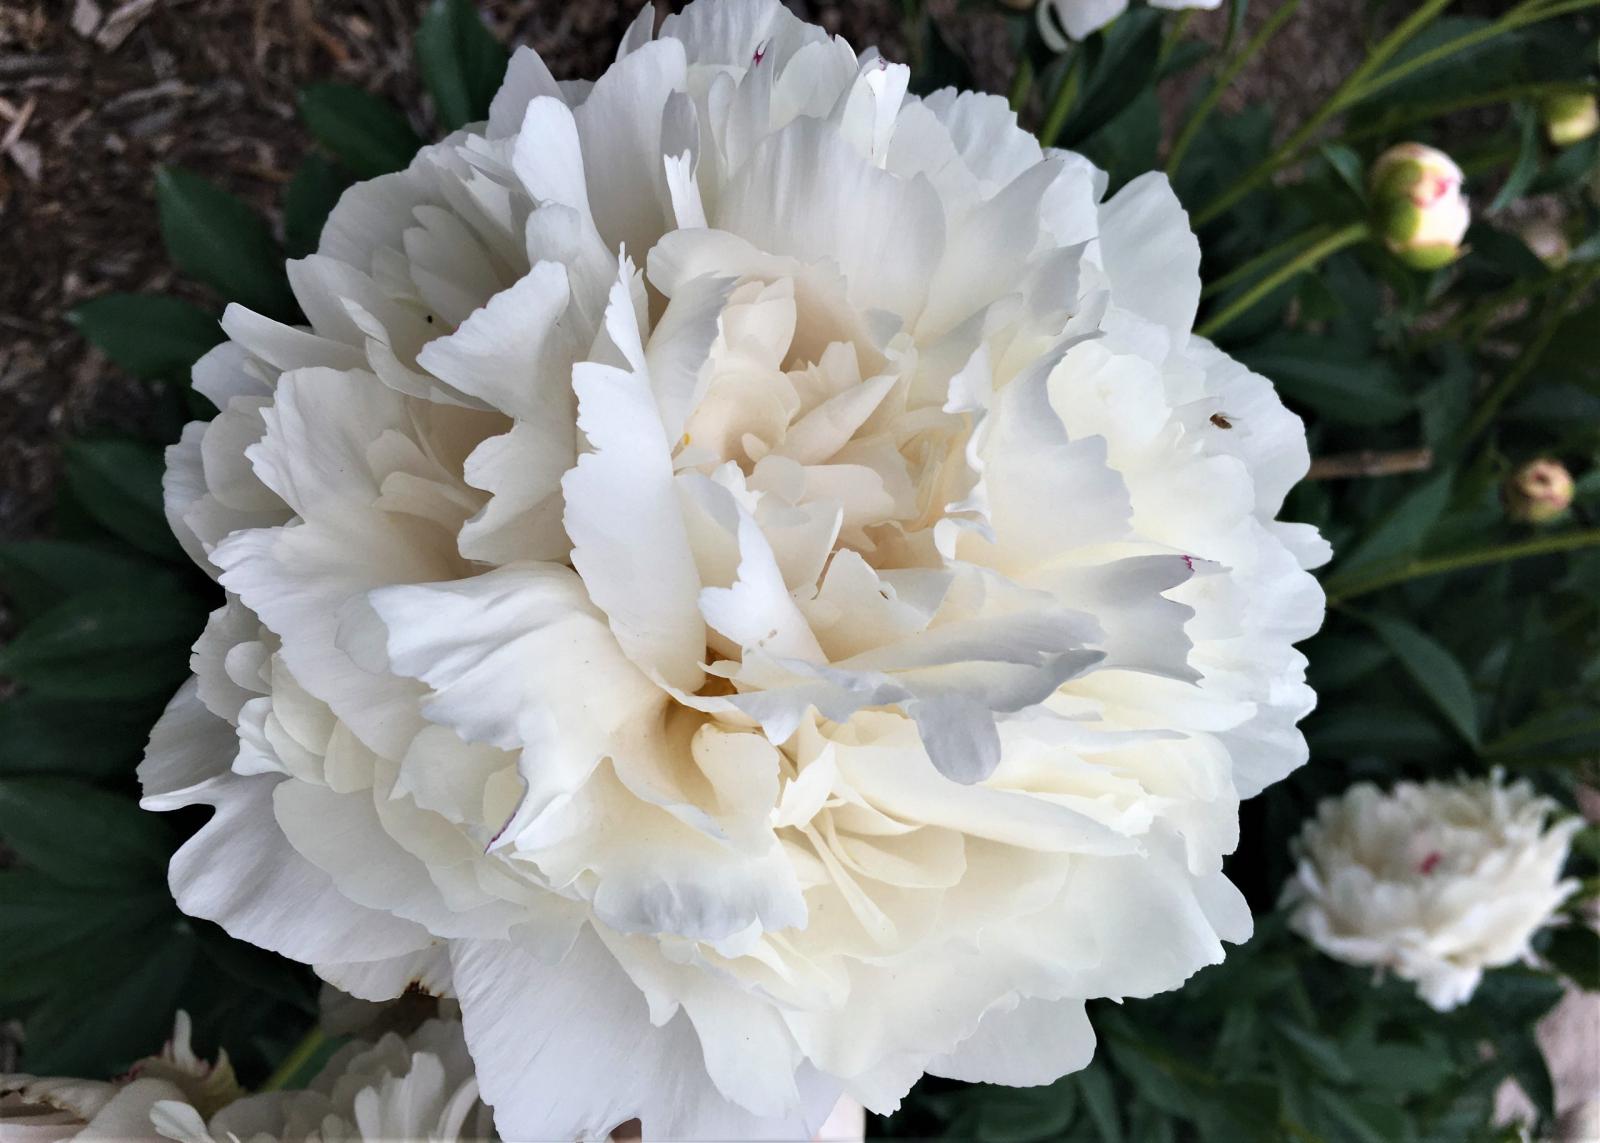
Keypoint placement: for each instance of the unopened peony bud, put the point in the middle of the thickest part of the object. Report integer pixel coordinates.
(1570, 118)
(1420, 211)
(1538, 492)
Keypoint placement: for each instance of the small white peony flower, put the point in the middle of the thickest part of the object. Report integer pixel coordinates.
(1435, 881)
(748, 582)
(419, 1087)
(1421, 213)
(1080, 19)
(37, 1109)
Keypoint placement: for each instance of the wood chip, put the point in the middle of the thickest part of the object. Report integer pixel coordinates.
(85, 17)
(27, 158)
(121, 23)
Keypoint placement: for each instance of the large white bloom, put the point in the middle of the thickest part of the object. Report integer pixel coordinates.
(748, 582)
(1436, 881)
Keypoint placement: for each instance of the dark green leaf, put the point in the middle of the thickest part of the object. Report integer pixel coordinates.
(1506, 252)
(1574, 950)
(1363, 1121)
(49, 924)
(118, 482)
(56, 736)
(261, 970)
(37, 574)
(1435, 670)
(1348, 166)
(1337, 661)
(1351, 730)
(461, 62)
(1306, 370)
(938, 64)
(1403, 1069)
(1100, 1102)
(313, 193)
(216, 238)
(1400, 533)
(1526, 168)
(107, 645)
(111, 1012)
(1121, 72)
(366, 133)
(148, 335)
(1319, 1052)
(80, 835)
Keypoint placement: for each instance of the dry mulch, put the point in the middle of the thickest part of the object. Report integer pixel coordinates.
(95, 93)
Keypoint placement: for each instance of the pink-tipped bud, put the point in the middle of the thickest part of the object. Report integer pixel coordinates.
(1538, 492)
(1419, 209)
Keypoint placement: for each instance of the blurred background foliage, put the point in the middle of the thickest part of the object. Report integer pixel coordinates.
(1459, 636)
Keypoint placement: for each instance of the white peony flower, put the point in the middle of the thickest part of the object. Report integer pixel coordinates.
(748, 582)
(37, 1109)
(1436, 881)
(420, 1087)
(1080, 19)
(417, 1088)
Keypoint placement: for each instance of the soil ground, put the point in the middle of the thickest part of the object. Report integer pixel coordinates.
(95, 93)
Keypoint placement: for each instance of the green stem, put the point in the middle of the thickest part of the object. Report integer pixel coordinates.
(1061, 105)
(1460, 561)
(1420, 113)
(1338, 240)
(302, 1054)
(1225, 80)
(1021, 83)
(1344, 94)
(1247, 270)
(1523, 14)
(1174, 36)
(1540, 735)
(1471, 322)
(1492, 401)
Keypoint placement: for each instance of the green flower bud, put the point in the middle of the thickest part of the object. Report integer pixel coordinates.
(1570, 117)
(1538, 492)
(1418, 208)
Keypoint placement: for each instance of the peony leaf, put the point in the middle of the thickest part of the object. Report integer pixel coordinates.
(367, 133)
(461, 62)
(1436, 671)
(1574, 950)
(1125, 64)
(313, 193)
(1100, 1101)
(107, 645)
(37, 574)
(1319, 1052)
(80, 835)
(1401, 532)
(48, 924)
(1526, 167)
(89, 740)
(1307, 371)
(114, 1003)
(218, 239)
(118, 482)
(148, 335)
